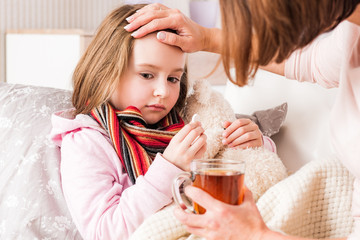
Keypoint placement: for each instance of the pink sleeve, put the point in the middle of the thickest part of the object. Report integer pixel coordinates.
(100, 197)
(269, 144)
(320, 61)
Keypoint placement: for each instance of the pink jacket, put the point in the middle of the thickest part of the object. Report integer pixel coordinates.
(334, 61)
(101, 199)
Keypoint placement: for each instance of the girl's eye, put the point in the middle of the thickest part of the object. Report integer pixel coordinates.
(173, 79)
(146, 75)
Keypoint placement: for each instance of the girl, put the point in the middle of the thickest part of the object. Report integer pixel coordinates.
(124, 142)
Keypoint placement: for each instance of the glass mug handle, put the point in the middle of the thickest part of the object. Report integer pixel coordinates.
(180, 182)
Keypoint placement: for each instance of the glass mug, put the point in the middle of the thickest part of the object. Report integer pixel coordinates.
(223, 179)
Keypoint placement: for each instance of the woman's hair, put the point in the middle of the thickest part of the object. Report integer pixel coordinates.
(105, 60)
(256, 32)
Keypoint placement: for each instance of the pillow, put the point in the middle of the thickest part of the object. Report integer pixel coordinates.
(32, 203)
(269, 120)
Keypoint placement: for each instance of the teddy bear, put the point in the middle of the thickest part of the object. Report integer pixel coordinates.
(263, 167)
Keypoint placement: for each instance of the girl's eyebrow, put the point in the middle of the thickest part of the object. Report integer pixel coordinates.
(157, 68)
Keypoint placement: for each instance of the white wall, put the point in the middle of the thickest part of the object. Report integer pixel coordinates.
(43, 58)
(58, 14)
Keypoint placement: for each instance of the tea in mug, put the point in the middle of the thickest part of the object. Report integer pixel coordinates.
(224, 185)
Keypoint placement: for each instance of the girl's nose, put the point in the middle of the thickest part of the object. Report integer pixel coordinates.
(161, 87)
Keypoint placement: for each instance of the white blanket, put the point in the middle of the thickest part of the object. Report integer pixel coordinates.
(313, 202)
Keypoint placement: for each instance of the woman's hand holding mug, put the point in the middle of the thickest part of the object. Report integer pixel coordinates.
(223, 179)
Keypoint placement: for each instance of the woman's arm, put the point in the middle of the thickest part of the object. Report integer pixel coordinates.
(278, 68)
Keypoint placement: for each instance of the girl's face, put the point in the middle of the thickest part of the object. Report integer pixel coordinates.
(151, 82)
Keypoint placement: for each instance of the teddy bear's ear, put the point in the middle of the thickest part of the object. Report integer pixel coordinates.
(190, 84)
(202, 91)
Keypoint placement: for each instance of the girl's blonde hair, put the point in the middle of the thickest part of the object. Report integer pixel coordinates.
(257, 32)
(104, 62)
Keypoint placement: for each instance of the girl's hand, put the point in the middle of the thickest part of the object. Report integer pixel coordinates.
(242, 133)
(221, 220)
(190, 37)
(188, 144)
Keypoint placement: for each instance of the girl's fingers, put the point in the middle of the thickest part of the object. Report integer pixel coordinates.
(241, 132)
(245, 138)
(249, 144)
(193, 136)
(226, 124)
(184, 132)
(199, 147)
(235, 126)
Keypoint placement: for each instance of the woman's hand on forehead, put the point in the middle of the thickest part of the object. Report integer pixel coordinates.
(146, 20)
(189, 36)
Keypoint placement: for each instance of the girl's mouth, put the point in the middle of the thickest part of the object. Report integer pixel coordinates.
(156, 107)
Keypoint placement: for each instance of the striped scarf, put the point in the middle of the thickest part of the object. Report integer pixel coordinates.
(135, 142)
